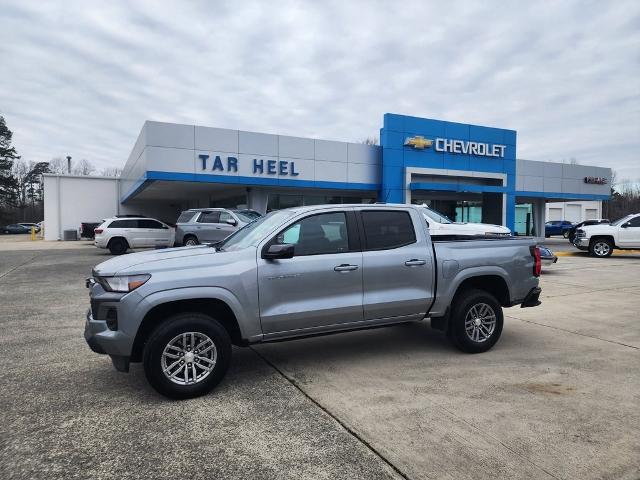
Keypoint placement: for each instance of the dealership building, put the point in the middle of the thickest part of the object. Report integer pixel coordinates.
(468, 172)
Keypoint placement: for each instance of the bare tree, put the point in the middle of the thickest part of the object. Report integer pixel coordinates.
(371, 141)
(111, 172)
(84, 167)
(58, 165)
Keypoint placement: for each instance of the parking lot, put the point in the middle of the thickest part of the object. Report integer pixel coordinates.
(557, 397)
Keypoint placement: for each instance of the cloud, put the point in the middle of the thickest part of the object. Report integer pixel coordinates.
(80, 78)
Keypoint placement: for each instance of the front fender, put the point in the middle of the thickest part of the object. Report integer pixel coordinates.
(248, 322)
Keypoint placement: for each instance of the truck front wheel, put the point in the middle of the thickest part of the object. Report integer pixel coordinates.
(187, 355)
(476, 321)
(601, 248)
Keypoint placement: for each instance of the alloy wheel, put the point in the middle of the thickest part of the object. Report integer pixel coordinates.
(601, 249)
(480, 322)
(189, 358)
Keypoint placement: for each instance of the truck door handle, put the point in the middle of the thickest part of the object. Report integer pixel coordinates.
(345, 267)
(414, 261)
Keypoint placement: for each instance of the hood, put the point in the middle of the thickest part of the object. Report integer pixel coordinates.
(594, 229)
(142, 262)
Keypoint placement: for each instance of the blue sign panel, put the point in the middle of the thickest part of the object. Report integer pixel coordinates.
(436, 145)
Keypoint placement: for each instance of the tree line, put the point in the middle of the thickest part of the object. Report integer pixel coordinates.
(21, 182)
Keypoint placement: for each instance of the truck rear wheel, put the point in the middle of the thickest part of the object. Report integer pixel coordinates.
(190, 240)
(187, 356)
(476, 321)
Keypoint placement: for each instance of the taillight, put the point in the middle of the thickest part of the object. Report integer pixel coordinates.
(537, 263)
(97, 230)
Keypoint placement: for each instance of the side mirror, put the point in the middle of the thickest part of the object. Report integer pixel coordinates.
(279, 251)
(625, 225)
(231, 221)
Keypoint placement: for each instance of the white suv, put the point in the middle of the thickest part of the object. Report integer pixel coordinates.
(440, 224)
(118, 234)
(601, 239)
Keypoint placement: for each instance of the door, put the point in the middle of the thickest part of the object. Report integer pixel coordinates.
(155, 232)
(397, 265)
(629, 236)
(321, 285)
(206, 226)
(555, 213)
(573, 212)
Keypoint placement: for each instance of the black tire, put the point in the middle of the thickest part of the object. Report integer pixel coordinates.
(118, 246)
(463, 304)
(565, 234)
(547, 236)
(190, 240)
(601, 248)
(173, 327)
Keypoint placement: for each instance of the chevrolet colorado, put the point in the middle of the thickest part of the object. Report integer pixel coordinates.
(300, 272)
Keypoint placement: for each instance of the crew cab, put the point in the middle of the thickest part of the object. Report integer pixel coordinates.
(601, 240)
(300, 272)
(440, 224)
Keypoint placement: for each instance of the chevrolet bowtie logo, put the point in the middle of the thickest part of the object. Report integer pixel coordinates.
(418, 142)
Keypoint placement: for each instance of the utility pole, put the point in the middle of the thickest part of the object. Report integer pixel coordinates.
(69, 164)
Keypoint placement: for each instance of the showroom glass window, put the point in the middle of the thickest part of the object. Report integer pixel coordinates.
(317, 235)
(386, 229)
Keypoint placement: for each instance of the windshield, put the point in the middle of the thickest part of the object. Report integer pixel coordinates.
(252, 233)
(621, 220)
(246, 217)
(433, 215)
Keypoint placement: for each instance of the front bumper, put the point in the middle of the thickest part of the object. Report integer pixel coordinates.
(581, 243)
(104, 341)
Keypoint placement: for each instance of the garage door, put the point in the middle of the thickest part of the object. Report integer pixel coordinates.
(572, 213)
(555, 214)
(590, 214)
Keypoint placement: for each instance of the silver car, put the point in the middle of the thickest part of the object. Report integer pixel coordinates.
(204, 225)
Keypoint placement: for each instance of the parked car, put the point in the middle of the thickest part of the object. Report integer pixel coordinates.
(121, 234)
(557, 227)
(440, 224)
(36, 226)
(601, 240)
(547, 257)
(298, 272)
(16, 228)
(87, 229)
(572, 231)
(203, 225)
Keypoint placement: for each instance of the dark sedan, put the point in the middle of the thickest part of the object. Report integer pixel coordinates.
(16, 228)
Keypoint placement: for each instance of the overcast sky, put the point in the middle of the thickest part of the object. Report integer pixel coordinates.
(80, 78)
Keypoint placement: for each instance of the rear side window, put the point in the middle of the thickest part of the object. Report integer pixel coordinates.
(124, 224)
(386, 229)
(185, 217)
(209, 217)
(150, 224)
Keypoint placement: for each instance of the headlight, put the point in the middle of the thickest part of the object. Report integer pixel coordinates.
(125, 283)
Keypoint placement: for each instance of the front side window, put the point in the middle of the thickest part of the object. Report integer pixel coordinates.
(635, 222)
(325, 233)
(209, 217)
(387, 229)
(224, 216)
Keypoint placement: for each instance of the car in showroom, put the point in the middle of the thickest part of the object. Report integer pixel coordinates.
(572, 231)
(119, 234)
(557, 227)
(207, 225)
(439, 225)
(601, 240)
(15, 228)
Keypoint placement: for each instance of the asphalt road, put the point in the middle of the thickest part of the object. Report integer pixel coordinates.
(556, 398)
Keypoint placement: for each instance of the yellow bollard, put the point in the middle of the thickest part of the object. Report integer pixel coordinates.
(33, 233)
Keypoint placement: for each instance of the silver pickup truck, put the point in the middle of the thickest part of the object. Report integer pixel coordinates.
(300, 272)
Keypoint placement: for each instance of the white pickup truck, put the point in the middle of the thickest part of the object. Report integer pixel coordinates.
(601, 240)
(440, 224)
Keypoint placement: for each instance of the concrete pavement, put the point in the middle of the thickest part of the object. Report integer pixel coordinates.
(557, 397)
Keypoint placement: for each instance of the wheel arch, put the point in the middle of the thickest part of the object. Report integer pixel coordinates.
(160, 306)
(494, 284)
(118, 237)
(603, 237)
